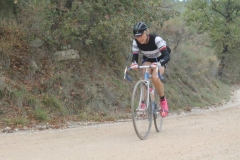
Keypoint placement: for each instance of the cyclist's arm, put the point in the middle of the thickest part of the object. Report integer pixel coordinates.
(135, 51)
(135, 57)
(165, 55)
(162, 46)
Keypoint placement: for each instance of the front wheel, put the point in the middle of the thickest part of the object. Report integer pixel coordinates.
(142, 117)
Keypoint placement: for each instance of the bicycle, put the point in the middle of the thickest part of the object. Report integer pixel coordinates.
(144, 90)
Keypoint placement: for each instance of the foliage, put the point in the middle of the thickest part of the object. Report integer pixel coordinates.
(55, 104)
(97, 26)
(189, 86)
(220, 19)
(17, 121)
(41, 114)
(191, 73)
(92, 87)
(8, 8)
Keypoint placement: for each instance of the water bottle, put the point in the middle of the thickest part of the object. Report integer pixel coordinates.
(146, 75)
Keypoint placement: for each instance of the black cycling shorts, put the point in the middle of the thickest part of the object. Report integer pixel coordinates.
(145, 59)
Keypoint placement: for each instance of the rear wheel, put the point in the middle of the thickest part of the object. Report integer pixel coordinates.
(142, 117)
(158, 120)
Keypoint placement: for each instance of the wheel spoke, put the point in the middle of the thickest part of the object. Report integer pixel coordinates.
(142, 118)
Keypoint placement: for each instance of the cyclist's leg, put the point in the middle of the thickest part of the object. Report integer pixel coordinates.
(157, 82)
(160, 90)
(162, 70)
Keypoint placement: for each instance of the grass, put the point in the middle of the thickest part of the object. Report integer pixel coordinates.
(17, 121)
(96, 116)
(41, 115)
(54, 104)
(18, 98)
(33, 102)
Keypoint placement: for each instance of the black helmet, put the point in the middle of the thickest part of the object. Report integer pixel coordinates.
(139, 28)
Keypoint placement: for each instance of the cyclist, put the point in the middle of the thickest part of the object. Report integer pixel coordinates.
(154, 50)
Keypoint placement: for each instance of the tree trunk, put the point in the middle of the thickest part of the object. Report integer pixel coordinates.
(222, 64)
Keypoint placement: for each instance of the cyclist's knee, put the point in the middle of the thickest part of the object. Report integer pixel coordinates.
(155, 79)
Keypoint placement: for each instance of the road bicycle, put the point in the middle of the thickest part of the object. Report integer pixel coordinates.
(144, 91)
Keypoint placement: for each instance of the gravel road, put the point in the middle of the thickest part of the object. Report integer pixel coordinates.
(203, 134)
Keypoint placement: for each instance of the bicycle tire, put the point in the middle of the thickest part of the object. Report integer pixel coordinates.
(158, 119)
(142, 119)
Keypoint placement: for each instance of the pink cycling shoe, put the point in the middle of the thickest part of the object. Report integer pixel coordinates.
(143, 105)
(164, 108)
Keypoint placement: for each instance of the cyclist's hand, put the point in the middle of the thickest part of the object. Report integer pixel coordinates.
(134, 65)
(154, 64)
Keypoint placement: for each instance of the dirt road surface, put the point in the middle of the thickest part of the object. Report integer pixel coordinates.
(210, 134)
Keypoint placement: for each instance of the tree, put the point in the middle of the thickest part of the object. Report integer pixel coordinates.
(101, 26)
(220, 19)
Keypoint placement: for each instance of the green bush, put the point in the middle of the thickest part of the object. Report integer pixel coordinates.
(17, 121)
(55, 104)
(41, 114)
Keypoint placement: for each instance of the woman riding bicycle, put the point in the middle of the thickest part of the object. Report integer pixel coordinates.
(154, 50)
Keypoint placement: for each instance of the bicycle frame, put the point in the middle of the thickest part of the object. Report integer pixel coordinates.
(142, 92)
(147, 76)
